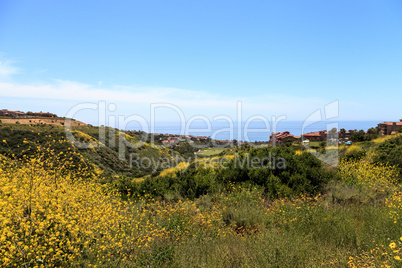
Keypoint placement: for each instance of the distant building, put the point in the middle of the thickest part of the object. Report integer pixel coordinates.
(315, 136)
(279, 138)
(324, 135)
(5, 112)
(347, 135)
(390, 128)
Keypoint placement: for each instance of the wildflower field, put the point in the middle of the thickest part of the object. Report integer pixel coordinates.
(59, 208)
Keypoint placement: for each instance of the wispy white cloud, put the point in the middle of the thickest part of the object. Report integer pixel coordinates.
(136, 99)
(75, 91)
(189, 100)
(7, 69)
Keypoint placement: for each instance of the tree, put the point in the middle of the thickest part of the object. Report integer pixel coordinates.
(333, 131)
(373, 131)
(359, 136)
(343, 133)
(234, 142)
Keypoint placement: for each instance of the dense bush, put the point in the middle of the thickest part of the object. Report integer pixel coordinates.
(354, 153)
(280, 171)
(390, 152)
(191, 183)
(361, 135)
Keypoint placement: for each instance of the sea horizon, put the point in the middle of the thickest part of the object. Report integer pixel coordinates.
(256, 130)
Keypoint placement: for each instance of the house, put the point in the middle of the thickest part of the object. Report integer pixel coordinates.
(171, 140)
(5, 112)
(324, 135)
(278, 138)
(315, 136)
(347, 135)
(390, 128)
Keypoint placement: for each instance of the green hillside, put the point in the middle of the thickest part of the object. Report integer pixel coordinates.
(25, 140)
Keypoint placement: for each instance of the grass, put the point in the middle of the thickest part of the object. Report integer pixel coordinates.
(291, 233)
(319, 238)
(315, 143)
(210, 152)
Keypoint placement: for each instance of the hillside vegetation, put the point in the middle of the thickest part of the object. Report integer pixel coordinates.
(21, 141)
(70, 207)
(39, 121)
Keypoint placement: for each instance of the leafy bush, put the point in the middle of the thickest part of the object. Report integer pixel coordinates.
(361, 135)
(354, 152)
(390, 153)
(281, 172)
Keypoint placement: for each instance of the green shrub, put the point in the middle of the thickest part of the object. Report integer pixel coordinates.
(390, 152)
(354, 153)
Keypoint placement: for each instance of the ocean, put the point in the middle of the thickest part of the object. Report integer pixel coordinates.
(254, 131)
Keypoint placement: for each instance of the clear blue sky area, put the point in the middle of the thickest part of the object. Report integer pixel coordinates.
(277, 57)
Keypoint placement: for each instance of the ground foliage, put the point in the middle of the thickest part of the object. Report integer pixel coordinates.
(57, 211)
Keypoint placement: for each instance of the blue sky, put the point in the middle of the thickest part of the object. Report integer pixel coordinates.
(276, 57)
